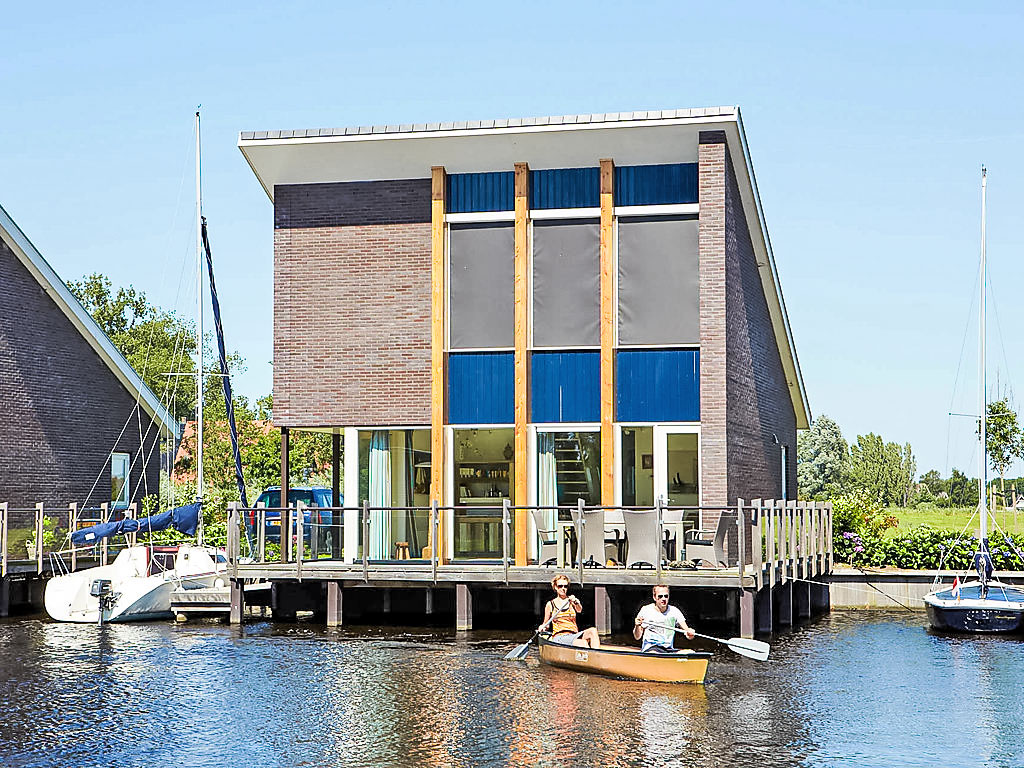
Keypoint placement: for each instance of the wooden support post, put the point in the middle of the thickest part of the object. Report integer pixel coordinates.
(428, 601)
(801, 600)
(5, 597)
(237, 601)
(334, 604)
(438, 358)
(463, 607)
(763, 611)
(3, 539)
(522, 359)
(608, 318)
(741, 540)
(336, 496)
(784, 595)
(104, 517)
(746, 609)
(602, 611)
(756, 542)
(285, 537)
(39, 538)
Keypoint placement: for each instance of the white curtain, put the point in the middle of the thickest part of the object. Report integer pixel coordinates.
(380, 494)
(547, 478)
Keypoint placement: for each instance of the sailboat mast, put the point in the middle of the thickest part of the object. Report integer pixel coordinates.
(199, 323)
(983, 383)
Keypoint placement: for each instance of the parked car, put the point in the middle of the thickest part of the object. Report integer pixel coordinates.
(316, 514)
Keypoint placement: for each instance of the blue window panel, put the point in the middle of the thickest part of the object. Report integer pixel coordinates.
(475, 192)
(656, 184)
(657, 385)
(565, 188)
(481, 388)
(565, 387)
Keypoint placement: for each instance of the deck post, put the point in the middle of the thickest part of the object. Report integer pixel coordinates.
(285, 538)
(334, 603)
(505, 520)
(3, 540)
(5, 597)
(428, 601)
(105, 513)
(237, 601)
(39, 538)
(763, 611)
(801, 600)
(755, 542)
(741, 541)
(72, 527)
(602, 611)
(365, 522)
(463, 608)
(746, 608)
(784, 592)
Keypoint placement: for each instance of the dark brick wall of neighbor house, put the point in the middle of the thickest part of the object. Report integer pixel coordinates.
(61, 407)
(758, 399)
(352, 304)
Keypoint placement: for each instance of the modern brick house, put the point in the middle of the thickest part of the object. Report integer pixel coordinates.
(77, 424)
(538, 309)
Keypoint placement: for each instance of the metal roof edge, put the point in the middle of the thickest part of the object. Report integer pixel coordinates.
(57, 289)
(804, 406)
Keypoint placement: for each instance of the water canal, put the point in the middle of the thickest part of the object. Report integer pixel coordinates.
(857, 689)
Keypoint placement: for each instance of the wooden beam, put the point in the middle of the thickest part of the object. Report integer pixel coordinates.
(608, 315)
(438, 359)
(522, 359)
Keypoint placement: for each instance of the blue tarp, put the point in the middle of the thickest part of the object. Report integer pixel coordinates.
(184, 519)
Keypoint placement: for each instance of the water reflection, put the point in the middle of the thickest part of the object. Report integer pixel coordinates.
(851, 689)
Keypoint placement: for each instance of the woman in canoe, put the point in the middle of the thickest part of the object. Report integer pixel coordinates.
(560, 612)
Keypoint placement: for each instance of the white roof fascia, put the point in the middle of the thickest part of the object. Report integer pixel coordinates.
(771, 284)
(57, 290)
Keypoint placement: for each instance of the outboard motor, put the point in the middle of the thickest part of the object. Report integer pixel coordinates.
(100, 588)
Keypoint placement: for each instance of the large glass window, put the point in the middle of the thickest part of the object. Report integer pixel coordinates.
(394, 471)
(568, 468)
(484, 473)
(120, 464)
(637, 466)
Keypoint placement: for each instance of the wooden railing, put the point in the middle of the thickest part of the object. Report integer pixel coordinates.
(34, 521)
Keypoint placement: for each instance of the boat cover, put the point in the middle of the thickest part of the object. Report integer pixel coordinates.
(184, 519)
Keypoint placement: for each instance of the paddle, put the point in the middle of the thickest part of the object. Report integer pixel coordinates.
(752, 649)
(519, 652)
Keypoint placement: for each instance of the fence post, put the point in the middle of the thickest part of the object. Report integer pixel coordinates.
(741, 540)
(3, 539)
(791, 510)
(39, 538)
(72, 527)
(434, 530)
(232, 542)
(130, 513)
(261, 532)
(828, 538)
(661, 533)
(300, 535)
(504, 537)
(580, 534)
(755, 542)
(105, 515)
(366, 540)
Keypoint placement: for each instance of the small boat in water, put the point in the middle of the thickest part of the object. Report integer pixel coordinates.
(619, 661)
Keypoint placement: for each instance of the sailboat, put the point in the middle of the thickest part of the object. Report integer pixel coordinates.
(139, 583)
(983, 605)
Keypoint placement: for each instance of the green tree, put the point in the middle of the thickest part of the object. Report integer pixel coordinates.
(934, 482)
(823, 460)
(153, 342)
(1004, 438)
(885, 471)
(963, 490)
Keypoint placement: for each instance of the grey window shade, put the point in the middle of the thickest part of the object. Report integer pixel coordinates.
(482, 264)
(659, 290)
(566, 284)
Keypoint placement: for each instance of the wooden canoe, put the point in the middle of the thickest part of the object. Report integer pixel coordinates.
(620, 661)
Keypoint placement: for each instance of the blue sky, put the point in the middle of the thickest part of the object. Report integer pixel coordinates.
(867, 124)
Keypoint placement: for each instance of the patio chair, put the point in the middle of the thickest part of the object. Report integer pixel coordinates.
(593, 538)
(547, 551)
(642, 534)
(709, 545)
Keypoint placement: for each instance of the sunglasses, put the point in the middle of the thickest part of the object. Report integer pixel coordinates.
(661, 597)
(561, 586)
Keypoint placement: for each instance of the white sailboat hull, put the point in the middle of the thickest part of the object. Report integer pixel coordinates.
(137, 594)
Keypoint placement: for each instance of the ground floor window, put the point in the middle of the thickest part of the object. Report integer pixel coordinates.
(394, 471)
(120, 463)
(483, 476)
(568, 468)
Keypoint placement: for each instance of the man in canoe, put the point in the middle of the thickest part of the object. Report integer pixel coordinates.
(656, 623)
(560, 612)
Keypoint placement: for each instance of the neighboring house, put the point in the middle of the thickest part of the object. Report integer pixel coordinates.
(77, 424)
(537, 309)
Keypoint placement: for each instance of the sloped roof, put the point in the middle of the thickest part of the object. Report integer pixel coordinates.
(407, 151)
(57, 290)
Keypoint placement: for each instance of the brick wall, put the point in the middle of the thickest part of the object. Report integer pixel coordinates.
(759, 405)
(711, 160)
(61, 407)
(352, 304)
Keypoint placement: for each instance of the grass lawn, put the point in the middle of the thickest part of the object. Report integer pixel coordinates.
(955, 518)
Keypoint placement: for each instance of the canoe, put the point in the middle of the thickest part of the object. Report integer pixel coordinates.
(619, 661)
